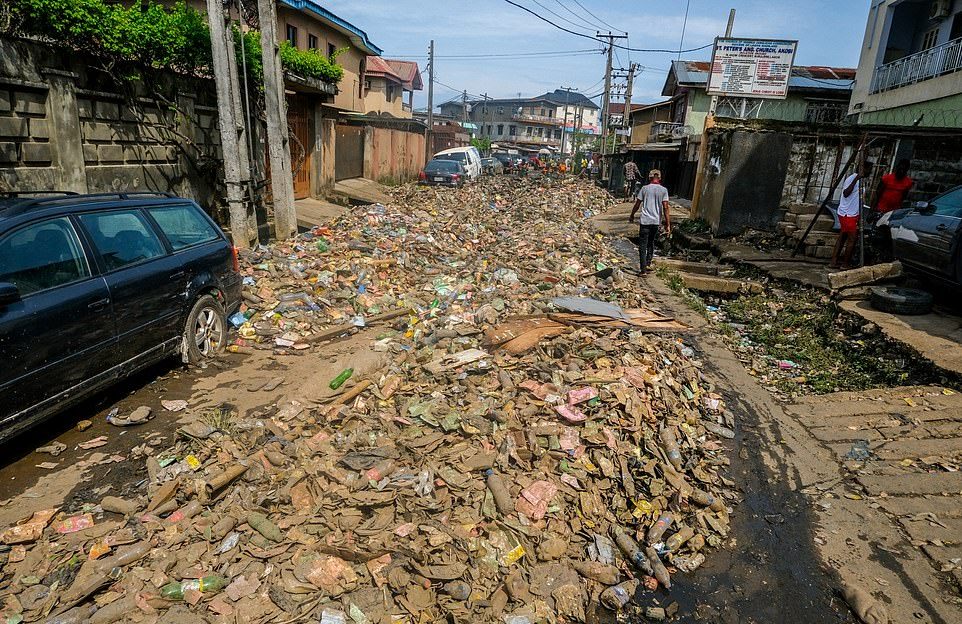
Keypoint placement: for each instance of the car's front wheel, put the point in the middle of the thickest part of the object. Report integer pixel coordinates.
(205, 333)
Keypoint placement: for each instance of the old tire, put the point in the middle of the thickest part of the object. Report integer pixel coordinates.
(900, 300)
(205, 333)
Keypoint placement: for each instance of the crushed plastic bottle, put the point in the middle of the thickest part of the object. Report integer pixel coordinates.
(209, 584)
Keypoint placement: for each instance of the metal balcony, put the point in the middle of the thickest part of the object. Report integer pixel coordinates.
(538, 119)
(925, 65)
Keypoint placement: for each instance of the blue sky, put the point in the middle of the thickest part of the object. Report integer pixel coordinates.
(829, 33)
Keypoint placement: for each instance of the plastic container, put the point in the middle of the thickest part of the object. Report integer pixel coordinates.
(338, 381)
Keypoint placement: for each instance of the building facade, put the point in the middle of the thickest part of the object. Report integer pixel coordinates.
(550, 121)
(910, 68)
(389, 87)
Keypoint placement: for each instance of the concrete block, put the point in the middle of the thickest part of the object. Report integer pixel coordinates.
(30, 102)
(803, 209)
(5, 101)
(39, 128)
(791, 217)
(823, 224)
(110, 153)
(135, 153)
(719, 285)
(97, 131)
(865, 275)
(90, 154)
(13, 127)
(85, 108)
(37, 152)
(8, 152)
(107, 110)
(823, 251)
(156, 152)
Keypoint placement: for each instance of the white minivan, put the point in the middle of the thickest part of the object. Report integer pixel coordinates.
(469, 157)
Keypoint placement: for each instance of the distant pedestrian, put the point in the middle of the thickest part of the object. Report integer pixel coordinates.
(632, 175)
(653, 201)
(849, 207)
(894, 188)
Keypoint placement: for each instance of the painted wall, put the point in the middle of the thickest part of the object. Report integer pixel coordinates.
(392, 156)
(377, 100)
(352, 60)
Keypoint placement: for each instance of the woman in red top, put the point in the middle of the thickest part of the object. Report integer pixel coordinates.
(894, 188)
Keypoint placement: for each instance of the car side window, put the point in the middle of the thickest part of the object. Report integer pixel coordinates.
(949, 205)
(42, 255)
(122, 237)
(183, 225)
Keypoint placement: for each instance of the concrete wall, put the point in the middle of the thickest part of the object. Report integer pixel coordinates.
(66, 126)
(392, 155)
(738, 192)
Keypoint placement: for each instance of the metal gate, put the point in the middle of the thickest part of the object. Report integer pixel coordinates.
(301, 146)
(348, 152)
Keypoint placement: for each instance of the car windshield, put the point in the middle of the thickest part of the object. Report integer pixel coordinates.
(443, 166)
(456, 156)
(948, 205)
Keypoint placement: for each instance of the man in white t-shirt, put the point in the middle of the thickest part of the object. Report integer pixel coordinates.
(849, 206)
(653, 201)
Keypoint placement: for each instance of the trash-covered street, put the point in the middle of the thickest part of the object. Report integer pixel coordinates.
(462, 406)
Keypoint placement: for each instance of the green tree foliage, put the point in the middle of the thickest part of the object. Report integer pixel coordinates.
(151, 35)
(482, 143)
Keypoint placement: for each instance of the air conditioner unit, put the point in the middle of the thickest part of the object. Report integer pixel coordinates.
(940, 9)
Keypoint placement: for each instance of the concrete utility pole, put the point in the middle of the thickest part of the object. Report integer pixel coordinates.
(278, 137)
(464, 106)
(606, 100)
(222, 51)
(564, 118)
(429, 138)
(625, 117)
(703, 145)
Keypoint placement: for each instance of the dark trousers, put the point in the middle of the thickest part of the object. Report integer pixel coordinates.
(647, 238)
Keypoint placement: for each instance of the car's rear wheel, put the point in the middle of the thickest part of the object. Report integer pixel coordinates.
(897, 300)
(205, 334)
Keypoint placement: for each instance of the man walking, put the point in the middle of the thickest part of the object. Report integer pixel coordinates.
(849, 206)
(653, 201)
(632, 174)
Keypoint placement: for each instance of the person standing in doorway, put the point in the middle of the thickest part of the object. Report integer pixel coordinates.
(653, 201)
(894, 188)
(849, 207)
(632, 174)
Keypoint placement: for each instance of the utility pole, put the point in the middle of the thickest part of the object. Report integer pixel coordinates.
(564, 119)
(625, 118)
(278, 137)
(464, 105)
(222, 51)
(429, 138)
(703, 146)
(606, 100)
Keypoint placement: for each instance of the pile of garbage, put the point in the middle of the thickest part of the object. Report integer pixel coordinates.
(540, 447)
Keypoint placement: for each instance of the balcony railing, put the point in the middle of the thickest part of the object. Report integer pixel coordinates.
(662, 131)
(538, 119)
(925, 65)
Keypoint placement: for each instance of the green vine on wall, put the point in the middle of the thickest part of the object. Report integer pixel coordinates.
(175, 38)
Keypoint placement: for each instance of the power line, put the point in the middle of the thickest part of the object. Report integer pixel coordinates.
(561, 17)
(598, 18)
(507, 55)
(565, 7)
(620, 47)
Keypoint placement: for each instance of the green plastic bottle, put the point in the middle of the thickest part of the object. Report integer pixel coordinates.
(338, 381)
(209, 584)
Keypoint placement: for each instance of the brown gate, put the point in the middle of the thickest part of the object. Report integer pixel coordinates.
(299, 124)
(348, 152)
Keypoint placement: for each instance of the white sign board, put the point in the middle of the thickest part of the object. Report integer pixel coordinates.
(755, 68)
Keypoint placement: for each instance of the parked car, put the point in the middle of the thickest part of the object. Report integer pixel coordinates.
(469, 157)
(492, 166)
(95, 287)
(440, 172)
(926, 236)
(508, 162)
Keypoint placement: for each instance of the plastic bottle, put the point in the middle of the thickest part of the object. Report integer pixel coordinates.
(658, 529)
(631, 550)
(670, 444)
(659, 571)
(597, 571)
(718, 430)
(338, 381)
(677, 540)
(618, 596)
(209, 584)
(239, 349)
(500, 494)
(703, 498)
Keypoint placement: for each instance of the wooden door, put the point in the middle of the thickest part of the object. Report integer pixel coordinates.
(298, 121)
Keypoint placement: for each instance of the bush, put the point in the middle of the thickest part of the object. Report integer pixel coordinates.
(153, 35)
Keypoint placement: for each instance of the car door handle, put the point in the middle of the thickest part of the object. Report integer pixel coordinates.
(941, 227)
(177, 275)
(100, 304)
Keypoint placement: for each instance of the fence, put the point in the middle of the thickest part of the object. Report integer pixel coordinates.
(941, 59)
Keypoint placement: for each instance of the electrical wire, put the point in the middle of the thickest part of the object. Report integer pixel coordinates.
(506, 55)
(598, 18)
(684, 27)
(561, 17)
(620, 47)
(565, 7)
